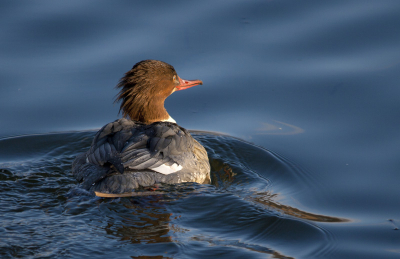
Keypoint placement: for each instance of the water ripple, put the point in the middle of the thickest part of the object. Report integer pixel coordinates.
(45, 215)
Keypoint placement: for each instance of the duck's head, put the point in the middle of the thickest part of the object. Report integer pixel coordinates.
(145, 87)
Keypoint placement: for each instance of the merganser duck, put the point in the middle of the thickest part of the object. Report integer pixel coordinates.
(148, 148)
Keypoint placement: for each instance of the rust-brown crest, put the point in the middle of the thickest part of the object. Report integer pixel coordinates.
(144, 89)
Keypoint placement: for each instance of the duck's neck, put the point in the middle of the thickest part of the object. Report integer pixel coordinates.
(149, 112)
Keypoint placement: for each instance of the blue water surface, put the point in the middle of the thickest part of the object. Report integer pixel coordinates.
(298, 111)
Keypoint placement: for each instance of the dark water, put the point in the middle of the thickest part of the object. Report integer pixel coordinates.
(305, 95)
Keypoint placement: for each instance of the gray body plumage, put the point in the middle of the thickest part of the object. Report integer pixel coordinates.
(124, 152)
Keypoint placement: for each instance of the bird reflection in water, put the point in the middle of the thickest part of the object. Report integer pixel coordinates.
(145, 220)
(222, 173)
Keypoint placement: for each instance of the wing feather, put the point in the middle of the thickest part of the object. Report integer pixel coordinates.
(128, 144)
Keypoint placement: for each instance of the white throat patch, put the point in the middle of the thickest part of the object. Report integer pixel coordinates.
(170, 120)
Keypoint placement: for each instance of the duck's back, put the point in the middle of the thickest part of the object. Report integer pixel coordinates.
(126, 155)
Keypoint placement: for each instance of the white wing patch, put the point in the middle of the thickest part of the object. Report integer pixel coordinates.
(165, 169)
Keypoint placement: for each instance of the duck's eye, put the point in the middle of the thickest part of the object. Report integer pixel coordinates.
(175, 79)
